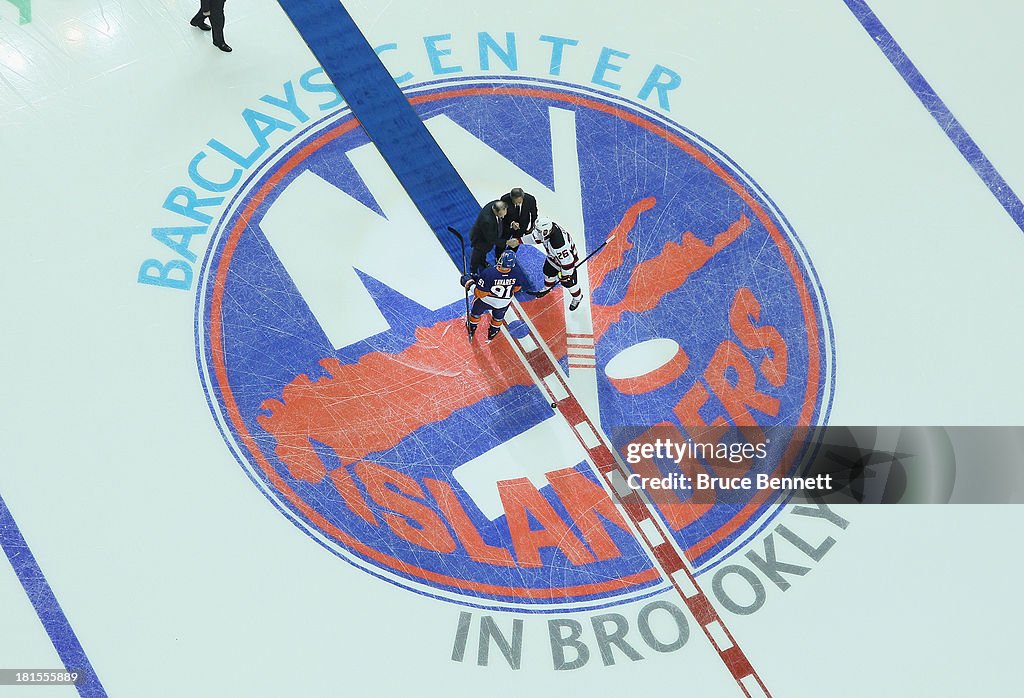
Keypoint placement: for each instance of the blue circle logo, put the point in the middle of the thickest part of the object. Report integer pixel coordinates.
(333, 348)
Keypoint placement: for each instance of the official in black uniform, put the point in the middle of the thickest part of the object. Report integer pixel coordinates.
(214, 9)
(487, 234)
(522, 214)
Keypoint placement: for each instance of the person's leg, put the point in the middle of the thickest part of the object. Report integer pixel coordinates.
(199, 19)
(571, 283)
(497, 322)
(217, 22)
(478, 260)
(550, 275)
(479, 308)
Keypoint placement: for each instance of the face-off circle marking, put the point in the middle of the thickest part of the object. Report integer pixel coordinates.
(704, 306)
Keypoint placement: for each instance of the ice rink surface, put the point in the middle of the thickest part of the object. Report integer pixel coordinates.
(249, 452)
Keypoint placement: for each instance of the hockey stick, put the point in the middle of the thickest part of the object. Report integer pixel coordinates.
(538, 294)
(465, 271)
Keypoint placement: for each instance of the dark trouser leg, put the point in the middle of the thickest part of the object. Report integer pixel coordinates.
(204, 11)
(478, 260)
(217, 20)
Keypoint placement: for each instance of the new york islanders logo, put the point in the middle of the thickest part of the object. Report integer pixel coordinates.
(333, 347)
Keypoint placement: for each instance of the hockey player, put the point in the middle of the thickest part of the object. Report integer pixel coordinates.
(561, 261)
(493, 289)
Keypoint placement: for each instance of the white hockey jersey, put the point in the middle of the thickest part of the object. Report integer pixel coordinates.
(560, 249)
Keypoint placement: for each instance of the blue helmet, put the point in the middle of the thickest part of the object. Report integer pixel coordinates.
(506, 260)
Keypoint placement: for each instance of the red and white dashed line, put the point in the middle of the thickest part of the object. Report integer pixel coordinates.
(581, 350)
(649, 527)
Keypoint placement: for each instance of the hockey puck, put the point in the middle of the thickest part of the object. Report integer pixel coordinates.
(554, 405)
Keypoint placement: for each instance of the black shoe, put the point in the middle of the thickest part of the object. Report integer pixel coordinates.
(575, 302)
(200, 23)
(471, 329)
(223, 47)
(492, 332)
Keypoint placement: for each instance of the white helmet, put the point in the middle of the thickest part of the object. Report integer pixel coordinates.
(541, 229)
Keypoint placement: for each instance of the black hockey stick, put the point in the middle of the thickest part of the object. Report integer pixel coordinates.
(538, 294)
(465, 271)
